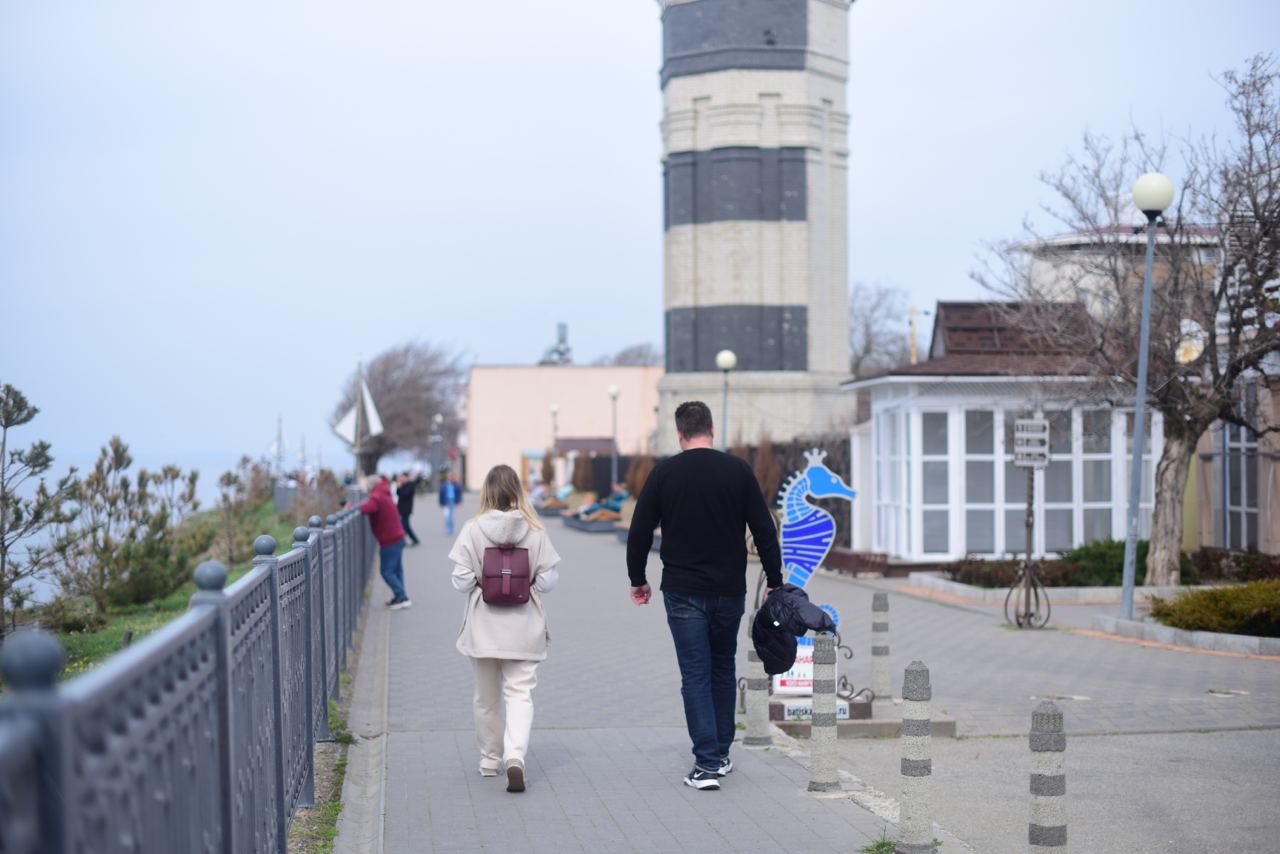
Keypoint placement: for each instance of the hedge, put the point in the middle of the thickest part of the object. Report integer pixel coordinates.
(1250, 609)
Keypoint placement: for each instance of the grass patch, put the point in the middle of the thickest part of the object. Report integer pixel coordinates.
(883, 845)
(315, 830)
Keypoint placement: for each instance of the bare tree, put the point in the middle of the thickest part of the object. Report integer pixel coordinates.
(644, 354)
(1215, 318)
(410, 383)
(878, 339)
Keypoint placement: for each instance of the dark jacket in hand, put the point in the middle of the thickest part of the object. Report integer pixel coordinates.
(784, 615)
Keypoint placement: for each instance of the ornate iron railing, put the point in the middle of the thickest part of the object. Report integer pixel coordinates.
(198, 738)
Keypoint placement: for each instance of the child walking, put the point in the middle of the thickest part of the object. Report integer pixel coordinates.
(504, 642)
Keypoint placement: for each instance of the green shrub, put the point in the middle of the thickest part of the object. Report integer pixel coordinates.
(1224, 565)
(1251, 609)
(1002, 573)
(68, 614)
(1102, 563)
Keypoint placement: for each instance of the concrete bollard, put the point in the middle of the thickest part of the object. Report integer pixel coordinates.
(880, 686)
(915, 827)
(823, 773)
(758, 734)
(1047, 830)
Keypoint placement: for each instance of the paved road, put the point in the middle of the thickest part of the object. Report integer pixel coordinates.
(1155, 762)
(609, 747)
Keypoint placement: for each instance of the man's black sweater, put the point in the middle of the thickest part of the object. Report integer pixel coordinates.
(704, 500)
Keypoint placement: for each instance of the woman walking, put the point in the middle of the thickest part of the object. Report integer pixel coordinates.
(504, 562)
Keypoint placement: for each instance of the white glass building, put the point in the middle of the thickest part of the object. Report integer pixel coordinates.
(942, 483)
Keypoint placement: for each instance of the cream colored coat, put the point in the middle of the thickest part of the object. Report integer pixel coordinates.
(515, 632)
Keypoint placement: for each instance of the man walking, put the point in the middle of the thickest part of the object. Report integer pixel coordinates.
(704, 500)
(384, 519)
(406, 491)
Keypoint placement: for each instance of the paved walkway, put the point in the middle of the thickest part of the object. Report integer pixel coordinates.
(1156, 761)
(609, 748)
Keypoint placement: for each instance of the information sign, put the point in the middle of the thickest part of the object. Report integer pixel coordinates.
(1031, 443)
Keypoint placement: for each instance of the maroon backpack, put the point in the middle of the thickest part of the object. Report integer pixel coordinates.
(504, 579)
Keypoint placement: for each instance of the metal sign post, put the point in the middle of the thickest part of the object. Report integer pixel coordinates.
(1030, 451)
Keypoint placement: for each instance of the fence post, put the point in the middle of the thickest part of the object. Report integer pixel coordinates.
(316, 546)
(264, 549)
(211, 579)
(307, 797)
(331, 606)
(339, 594)
(915, 827)
(1047, 830)
(31, 661)
(823, 775)
(880, 687)
(758, 734)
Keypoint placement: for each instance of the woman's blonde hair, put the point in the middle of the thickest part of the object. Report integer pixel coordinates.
(502, 491)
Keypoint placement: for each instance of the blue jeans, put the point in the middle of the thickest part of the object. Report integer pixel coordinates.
(391, 566)
(705, 631)
(404, 523)
(448, 518)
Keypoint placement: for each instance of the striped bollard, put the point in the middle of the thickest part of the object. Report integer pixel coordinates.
(915, 827)
(880, 686)
(823, 776)
(758, 734)
(1047, 830)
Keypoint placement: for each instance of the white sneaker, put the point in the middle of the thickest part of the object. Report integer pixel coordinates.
(401, 604)
(706, 781)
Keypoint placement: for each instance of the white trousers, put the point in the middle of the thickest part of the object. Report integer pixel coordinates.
(503, 684)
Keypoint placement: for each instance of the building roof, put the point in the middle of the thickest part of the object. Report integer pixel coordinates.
(994, 339)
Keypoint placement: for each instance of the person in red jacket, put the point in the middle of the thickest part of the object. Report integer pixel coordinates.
(384, 519)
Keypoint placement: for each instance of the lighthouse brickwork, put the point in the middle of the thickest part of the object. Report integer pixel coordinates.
(755, 151)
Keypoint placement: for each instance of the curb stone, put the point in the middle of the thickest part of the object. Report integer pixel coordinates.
(1215, 641)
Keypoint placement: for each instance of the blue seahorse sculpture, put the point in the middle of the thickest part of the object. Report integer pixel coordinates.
(807, 531)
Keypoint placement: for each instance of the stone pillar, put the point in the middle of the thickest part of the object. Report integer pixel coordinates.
(758, 734)
(915, 826)
(823, 773)
(1047, 830)
(880, 647)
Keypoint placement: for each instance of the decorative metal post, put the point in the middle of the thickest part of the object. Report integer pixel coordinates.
(1027, 595)
(31, 661)
(211, 579)
(264, 549)
(307, 798)
(823, 773)
(320, 658)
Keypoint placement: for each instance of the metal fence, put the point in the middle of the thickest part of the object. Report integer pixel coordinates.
(199, 737)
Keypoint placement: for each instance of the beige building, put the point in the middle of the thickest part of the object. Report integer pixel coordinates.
(755, 152)
(510, 419)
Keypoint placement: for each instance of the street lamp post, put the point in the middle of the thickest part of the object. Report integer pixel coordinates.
(614, 391)
(726, 361)
(1152, 193)
(437, 439)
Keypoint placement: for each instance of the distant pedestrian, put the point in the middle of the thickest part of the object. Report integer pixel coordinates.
(406, 491)
(704, 500)
(450, 497)
(384, 518)
(504, 641)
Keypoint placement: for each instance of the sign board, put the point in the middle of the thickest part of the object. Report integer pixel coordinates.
(801, 709)
(1031, 443)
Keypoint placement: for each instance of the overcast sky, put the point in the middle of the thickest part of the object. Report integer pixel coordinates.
(210, 210)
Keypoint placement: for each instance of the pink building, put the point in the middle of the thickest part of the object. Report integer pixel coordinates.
(510, 412)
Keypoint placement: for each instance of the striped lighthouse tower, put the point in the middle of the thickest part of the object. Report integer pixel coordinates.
(755, 154)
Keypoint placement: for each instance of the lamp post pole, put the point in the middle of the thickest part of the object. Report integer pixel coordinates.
(726, 361)
(1152, 193)
(436, 441)
(613, 462)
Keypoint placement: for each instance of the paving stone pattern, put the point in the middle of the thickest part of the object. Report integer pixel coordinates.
(609, 748)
